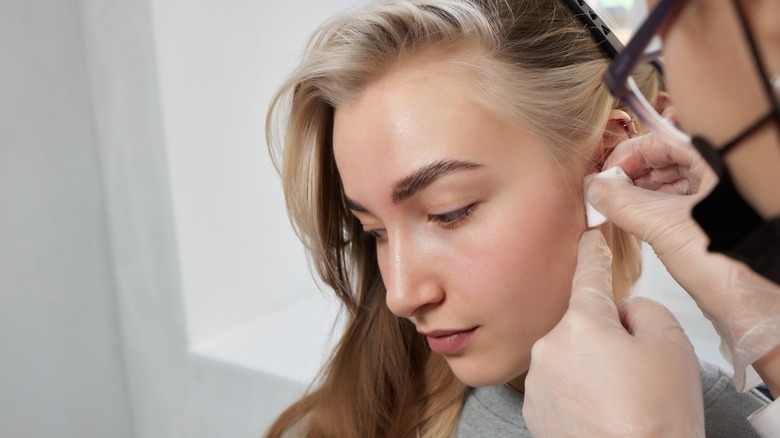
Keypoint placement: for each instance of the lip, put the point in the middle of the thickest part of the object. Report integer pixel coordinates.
(448, 342)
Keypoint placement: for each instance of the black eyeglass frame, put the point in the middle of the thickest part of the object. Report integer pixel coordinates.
(618, 79)
(634, 52)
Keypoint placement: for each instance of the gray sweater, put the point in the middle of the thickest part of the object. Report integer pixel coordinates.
(497, 411)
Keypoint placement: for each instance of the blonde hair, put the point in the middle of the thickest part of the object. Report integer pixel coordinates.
(538, 65)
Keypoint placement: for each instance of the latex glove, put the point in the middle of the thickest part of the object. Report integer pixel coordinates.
(743, 307)
(590, 376)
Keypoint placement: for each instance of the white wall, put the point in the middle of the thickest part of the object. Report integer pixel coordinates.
(219, 65)
(172, 393)
(62, 368)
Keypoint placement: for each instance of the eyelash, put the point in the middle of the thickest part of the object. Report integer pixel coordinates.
(449, 220)
(375, 234)
(454, 218)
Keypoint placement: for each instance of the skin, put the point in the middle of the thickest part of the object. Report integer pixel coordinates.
(491, 246)
(717, 94)
(717, 91)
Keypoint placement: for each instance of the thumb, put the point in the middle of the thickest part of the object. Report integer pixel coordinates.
(634, 209)
(646, 318)
(592, 284)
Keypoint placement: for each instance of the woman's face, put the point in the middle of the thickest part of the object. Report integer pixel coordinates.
(476, 230)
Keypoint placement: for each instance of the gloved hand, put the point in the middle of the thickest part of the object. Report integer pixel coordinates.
(668, 180)
(590, 376)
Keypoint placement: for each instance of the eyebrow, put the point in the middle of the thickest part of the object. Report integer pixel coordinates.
(421, 178)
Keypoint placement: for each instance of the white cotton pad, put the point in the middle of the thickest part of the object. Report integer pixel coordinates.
(593, 217)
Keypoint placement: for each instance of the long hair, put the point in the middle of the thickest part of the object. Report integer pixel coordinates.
(539, 66)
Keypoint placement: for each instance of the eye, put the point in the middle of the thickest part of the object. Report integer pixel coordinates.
(378, 235)
(452, 218)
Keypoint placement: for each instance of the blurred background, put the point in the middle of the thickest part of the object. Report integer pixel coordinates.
(150, 282)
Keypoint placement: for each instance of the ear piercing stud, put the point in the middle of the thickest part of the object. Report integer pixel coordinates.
(630, 128)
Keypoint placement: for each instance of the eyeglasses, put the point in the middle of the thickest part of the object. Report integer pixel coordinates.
(621, 83)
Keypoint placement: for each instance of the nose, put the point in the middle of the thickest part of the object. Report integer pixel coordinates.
(409, 271)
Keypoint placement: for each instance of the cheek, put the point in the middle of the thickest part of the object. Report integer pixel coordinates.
(527, 256)
(685, 87)
(711, 77)
(519, 282)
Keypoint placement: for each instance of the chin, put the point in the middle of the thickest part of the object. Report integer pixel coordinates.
(478, 374)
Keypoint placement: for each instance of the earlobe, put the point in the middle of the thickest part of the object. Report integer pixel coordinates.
(620, 127)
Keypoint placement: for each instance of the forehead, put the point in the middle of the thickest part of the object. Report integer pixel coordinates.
(416, 113)
(411, 100)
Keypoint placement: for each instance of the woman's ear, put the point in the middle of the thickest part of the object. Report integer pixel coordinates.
(620, 127)
(663, 101)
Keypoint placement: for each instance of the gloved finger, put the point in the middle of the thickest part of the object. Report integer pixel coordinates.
(631, 208)
(670, 179)
(592, 284)
(660, 176)
(642, 154)
(643, 317)
(679, 187)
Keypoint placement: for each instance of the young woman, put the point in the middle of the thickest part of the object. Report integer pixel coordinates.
(432, 154)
